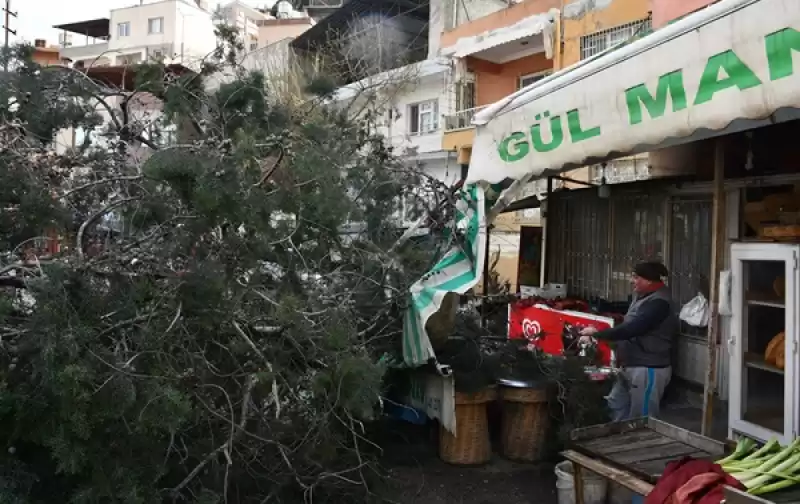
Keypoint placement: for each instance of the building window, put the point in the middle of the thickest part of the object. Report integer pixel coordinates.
(423, 117)
(597, 42)
(253, 46)
(124, 29)
(155, 25)
(527, 80)
(465, 95)
(161, 133)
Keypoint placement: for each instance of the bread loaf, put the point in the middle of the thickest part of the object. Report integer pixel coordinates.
(771, 353)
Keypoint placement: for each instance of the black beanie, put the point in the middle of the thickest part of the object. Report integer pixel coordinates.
(651, 270)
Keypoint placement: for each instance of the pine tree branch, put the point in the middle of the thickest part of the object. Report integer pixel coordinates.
(88, 185)
(94, 217)
(227, 445)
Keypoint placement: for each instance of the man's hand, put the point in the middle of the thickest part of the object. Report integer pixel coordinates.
(587, 334)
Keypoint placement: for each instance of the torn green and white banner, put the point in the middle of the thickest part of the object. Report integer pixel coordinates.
(457, 271)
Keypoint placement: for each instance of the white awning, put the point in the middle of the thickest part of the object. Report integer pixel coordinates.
(525, 28)
(394, 77)
(727, 68)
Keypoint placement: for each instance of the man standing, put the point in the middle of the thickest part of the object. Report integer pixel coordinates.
(643, 344)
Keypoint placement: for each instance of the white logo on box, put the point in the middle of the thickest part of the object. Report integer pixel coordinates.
(530, 328)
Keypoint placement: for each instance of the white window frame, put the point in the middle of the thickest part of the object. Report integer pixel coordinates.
(155, 26)
(161, 133)
(537, 76)
(421, 109)
(124, 29)
(595, 43)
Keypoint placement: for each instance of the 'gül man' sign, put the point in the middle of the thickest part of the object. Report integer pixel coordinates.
(742, 65)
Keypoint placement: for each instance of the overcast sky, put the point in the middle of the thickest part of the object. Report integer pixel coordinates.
(36, 17)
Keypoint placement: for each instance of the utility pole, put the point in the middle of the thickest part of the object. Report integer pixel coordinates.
(8, 31)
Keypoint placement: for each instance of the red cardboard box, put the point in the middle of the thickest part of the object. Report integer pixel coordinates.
(543, 327)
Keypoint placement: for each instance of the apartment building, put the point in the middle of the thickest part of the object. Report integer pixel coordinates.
(261, 27)
(666, 11)
(245, 18)
(178, 32)
(494, 55)
(591, 32)
(508, 46)
(496, 48)
(45, 54)
(409, 102)
(175, 31)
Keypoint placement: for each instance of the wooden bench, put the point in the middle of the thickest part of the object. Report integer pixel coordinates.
(618, 476)
(634, 453)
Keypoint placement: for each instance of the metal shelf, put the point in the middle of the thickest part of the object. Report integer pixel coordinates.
(769, 303)
(756, 361)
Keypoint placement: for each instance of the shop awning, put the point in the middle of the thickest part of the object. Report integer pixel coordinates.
(539, 24)
(727, 68)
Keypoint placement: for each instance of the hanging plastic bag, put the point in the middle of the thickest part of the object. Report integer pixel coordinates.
(695, 312)
(725, 307)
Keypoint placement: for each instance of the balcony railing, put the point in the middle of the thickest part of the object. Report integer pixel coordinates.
(461, 119)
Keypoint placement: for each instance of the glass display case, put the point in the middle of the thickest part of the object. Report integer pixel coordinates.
(762, 343)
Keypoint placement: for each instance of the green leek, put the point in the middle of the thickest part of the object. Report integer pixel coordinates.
(743, 448)
(783, 461)
(782, 475)
(741, 465)
(772, 446)
(768, 469)
(780, 471)
(774, 487)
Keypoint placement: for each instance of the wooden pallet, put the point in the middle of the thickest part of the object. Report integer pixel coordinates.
(643, 447)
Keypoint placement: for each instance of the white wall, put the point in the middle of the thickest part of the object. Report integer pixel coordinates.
(436, 25)
(194, 32)
(397, 90)
(144, 110)
(417, 90)
(463, 11)
(244, 18)
(138, 17)
(445, 169)
(187, 34)
(428, 88)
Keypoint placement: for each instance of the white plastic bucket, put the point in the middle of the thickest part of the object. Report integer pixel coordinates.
(595, 488)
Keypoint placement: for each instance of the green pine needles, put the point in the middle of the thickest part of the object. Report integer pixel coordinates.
(227, 276)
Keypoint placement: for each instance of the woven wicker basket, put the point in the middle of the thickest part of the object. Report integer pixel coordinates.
(471, 445)
(526, 419)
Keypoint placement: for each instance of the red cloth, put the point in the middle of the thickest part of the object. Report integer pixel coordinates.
(654, 286)
(691, 481)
